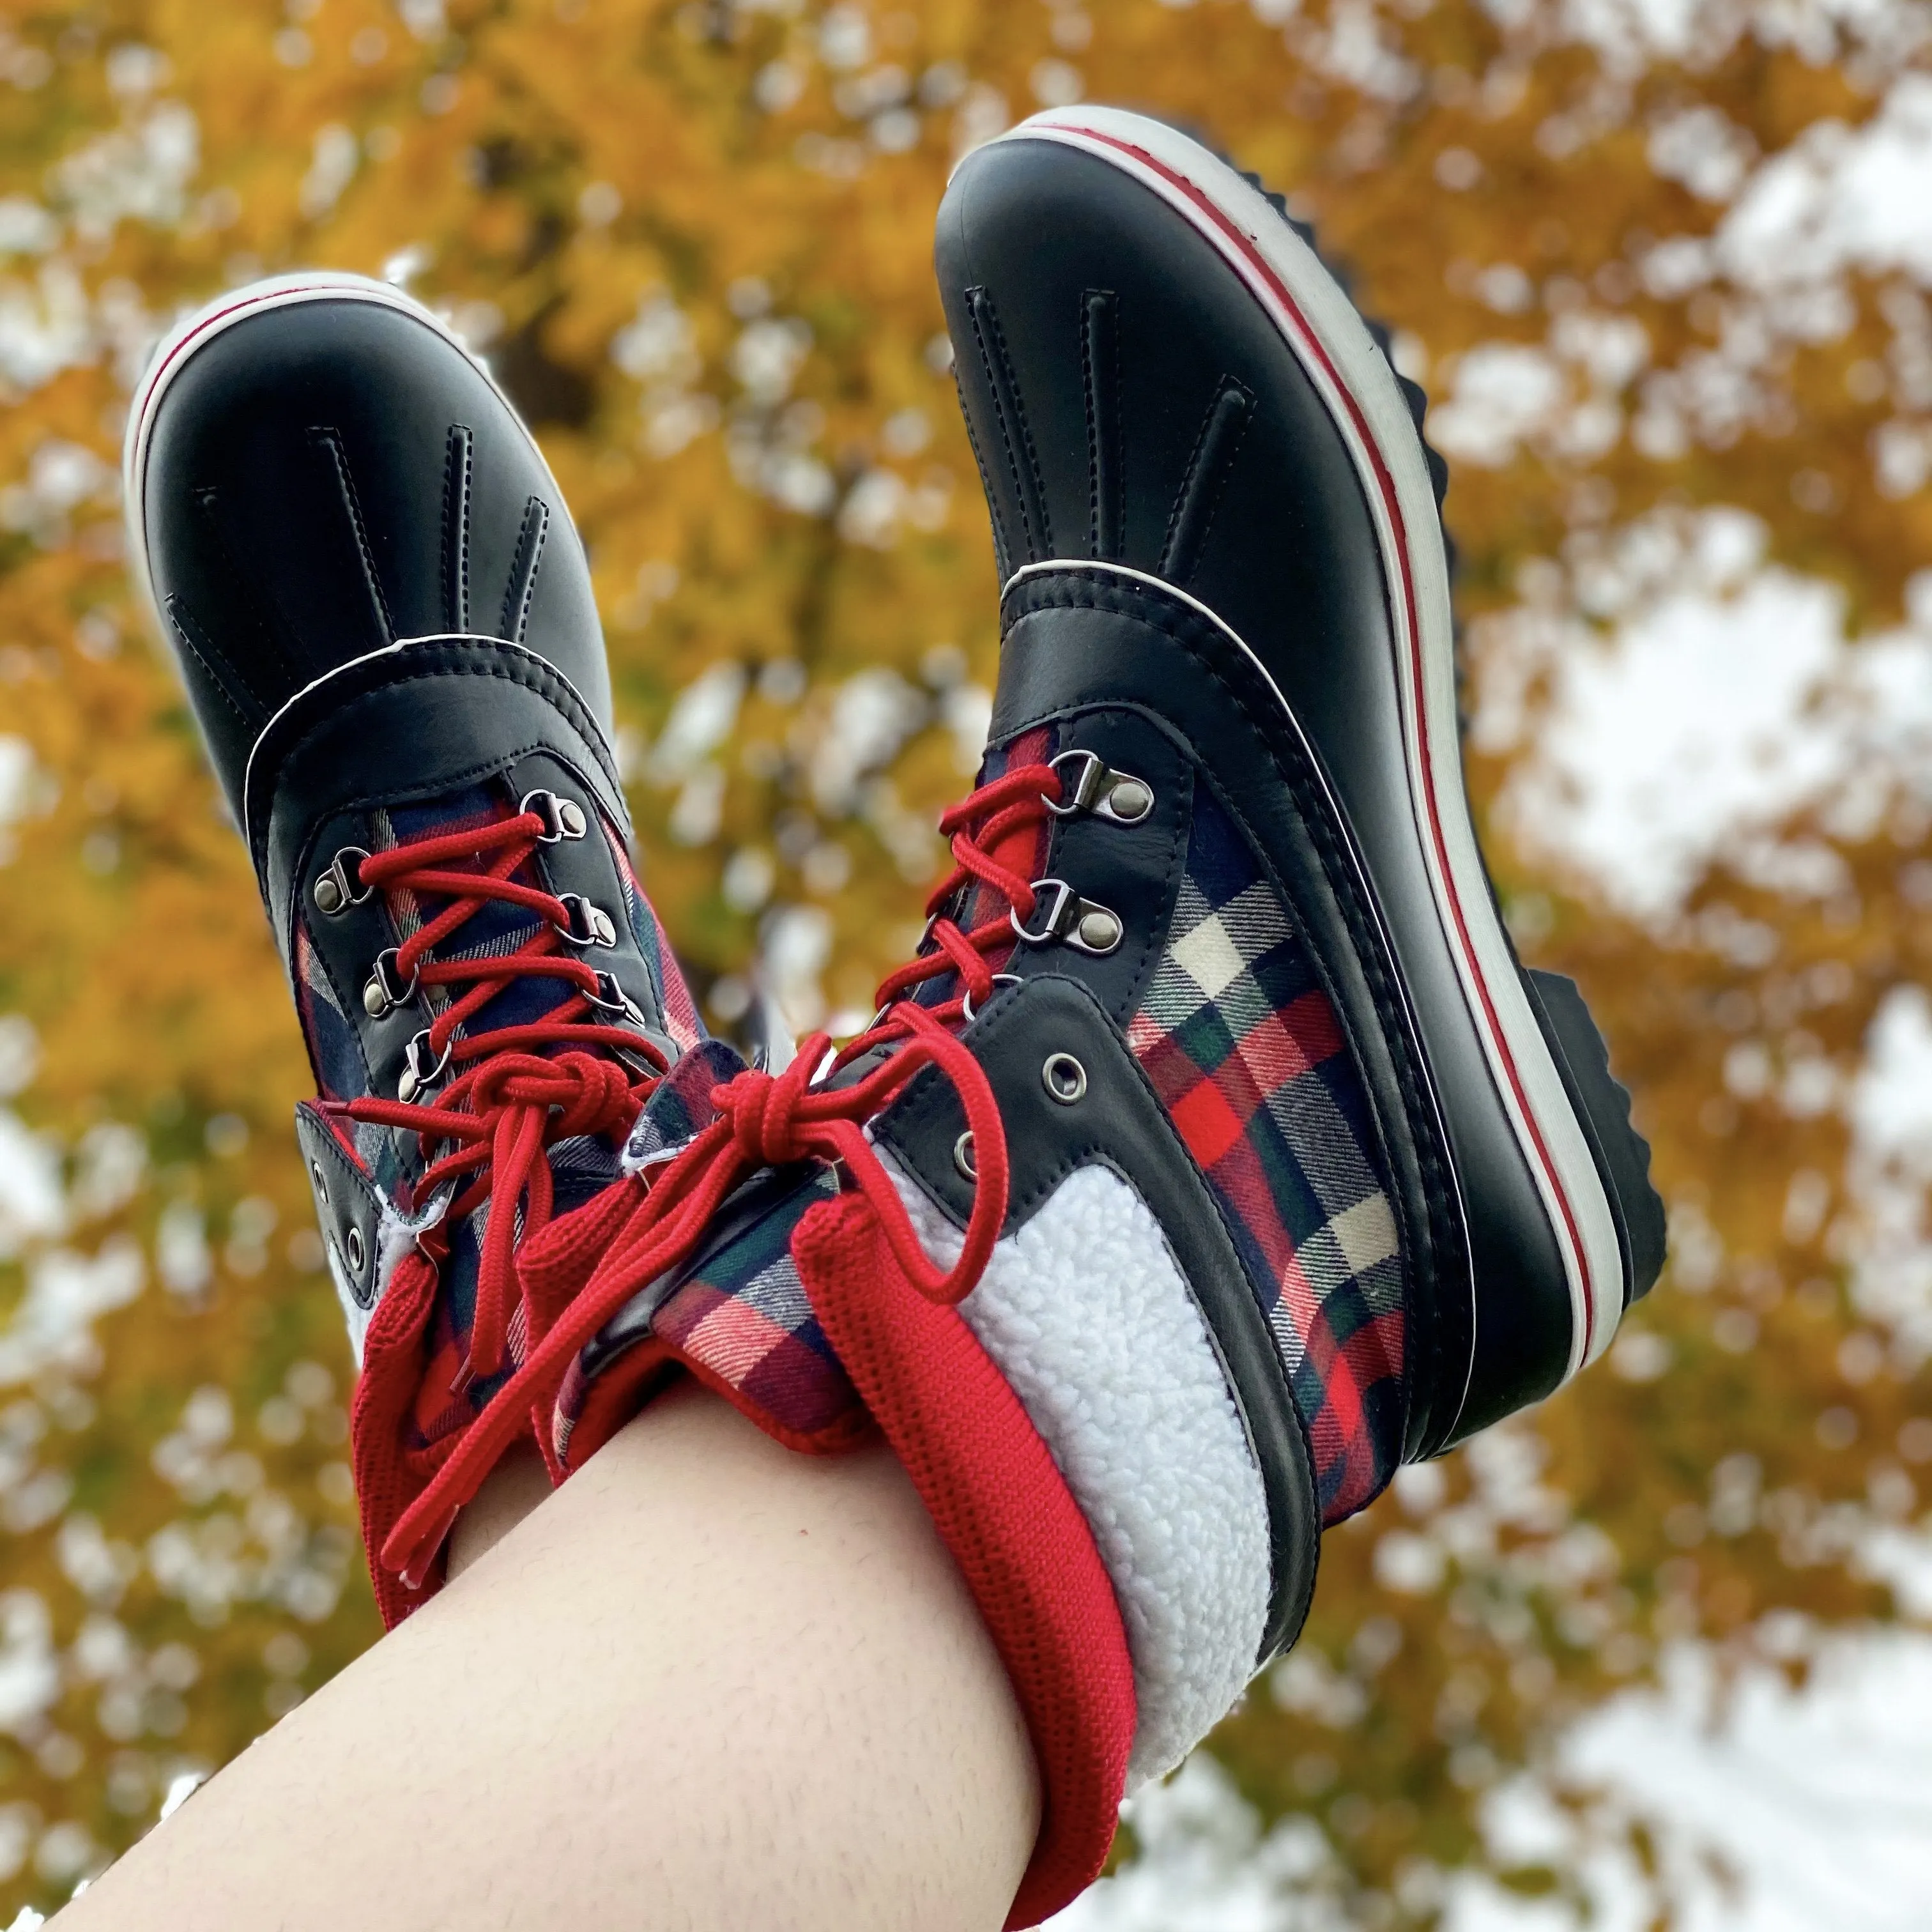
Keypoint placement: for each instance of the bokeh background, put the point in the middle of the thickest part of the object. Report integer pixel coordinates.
(1648, 1656)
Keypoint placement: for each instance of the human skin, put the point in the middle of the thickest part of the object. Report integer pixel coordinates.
(708, 1683)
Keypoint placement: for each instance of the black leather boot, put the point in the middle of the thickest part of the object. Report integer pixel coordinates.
(367, 574)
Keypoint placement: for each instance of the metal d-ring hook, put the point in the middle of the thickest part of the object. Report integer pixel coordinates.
(383, 992)
(585, 923)
(1100, 789)
(563, 817)
(966, 1011)
(1086, 926)
(416, 1076)
(340, 885)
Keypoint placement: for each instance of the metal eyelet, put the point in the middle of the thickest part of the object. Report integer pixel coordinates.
(321, 1182)
(1064, 1079)
(353, 1244)
(563, 817)
(967, 1011)
(962, 1157)
(417, 1073)
(340, 886)
(383, 992)
(1088, 928)
(1101, 790)
(611, 997)
(587, 925)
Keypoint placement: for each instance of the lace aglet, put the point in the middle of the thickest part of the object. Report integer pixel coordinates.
(415, 1572)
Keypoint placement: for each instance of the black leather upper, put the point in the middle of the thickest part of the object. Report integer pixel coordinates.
(410, 726)
(1131, 402)
(334, 495)
(325, 477)
(1077, 639)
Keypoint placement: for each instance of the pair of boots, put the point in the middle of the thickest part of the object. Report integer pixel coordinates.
(1212, 1156)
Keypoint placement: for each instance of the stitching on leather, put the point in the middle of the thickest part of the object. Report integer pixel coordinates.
(469, 481)
(1223, 473)
(216, 672)
(1002, 550)
(257, 600)
(328, 439)
(456, 528)
(558, 699)
(1040, 542)
(530, 545)
(999, 420)
(1173, 565)
(1086, 300)
(1439, 1238)
(1090, 384)
(1120, 445)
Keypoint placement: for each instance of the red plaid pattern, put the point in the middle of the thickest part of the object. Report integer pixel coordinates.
(1244, 1049)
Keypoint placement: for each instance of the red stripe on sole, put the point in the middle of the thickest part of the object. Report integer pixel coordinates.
(1231, 231)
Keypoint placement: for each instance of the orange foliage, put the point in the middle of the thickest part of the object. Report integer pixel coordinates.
(694, 239)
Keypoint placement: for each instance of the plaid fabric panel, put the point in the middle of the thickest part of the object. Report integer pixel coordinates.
(1246, 1053)
(332, 1046)
(391, 1159)
(680, 1010)
(742, 1315)
(679, 1108)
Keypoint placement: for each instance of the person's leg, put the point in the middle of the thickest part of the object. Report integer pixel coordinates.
(709, 1683)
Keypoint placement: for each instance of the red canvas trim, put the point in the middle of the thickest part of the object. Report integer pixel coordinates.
(1001, 1506)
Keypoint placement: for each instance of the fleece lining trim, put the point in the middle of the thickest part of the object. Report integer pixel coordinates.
(1090, 1320)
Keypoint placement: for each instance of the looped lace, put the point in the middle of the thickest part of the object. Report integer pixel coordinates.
(763, 1113)
(510, 1101)
(768, 1120)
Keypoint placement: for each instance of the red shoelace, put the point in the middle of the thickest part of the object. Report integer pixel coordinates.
(514, 1093)
(586, 1265)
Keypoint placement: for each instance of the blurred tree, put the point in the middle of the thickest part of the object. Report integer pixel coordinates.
(694, 239)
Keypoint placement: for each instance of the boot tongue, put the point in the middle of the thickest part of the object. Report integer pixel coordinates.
(494, 930)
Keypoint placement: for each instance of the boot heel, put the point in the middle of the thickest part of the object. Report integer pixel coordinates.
(1604, 1105)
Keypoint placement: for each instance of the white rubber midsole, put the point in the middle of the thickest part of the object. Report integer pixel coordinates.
(1328, 337)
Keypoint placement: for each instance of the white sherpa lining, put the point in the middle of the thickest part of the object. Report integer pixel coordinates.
(1092, 1322)
(353, 1312)
(396, 1235)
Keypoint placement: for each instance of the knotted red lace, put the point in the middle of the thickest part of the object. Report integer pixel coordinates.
(515, 1094)
(588, 1268)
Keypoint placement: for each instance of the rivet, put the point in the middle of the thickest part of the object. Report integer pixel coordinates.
(962, 1156)
(570, 816)
(1099, 930)
(328, 894)
(1130, 800)
(321, 1182)
(356, 1256)
(375, 1000)
(1064, 1079)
